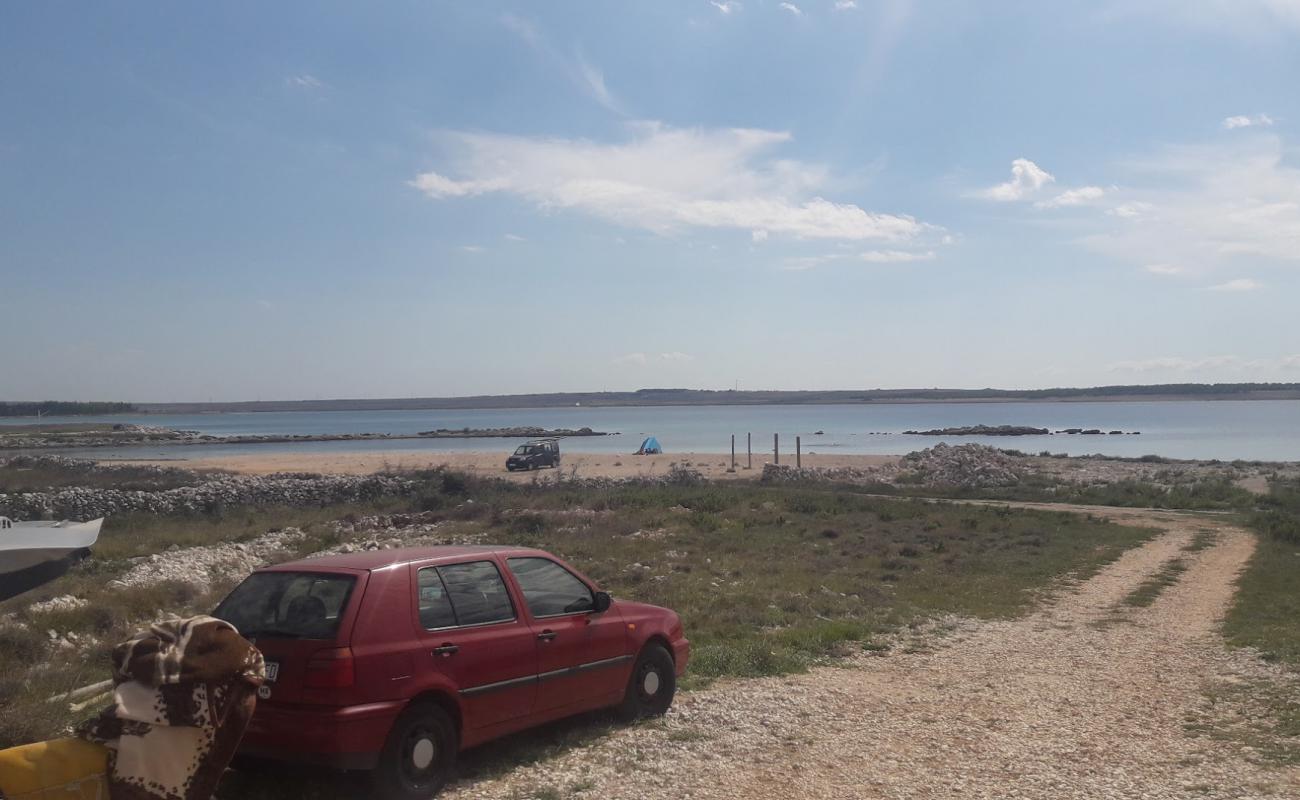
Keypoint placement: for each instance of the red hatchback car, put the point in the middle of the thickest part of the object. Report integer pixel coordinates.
(395, 660)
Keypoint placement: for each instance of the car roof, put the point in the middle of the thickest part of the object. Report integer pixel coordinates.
(379, 559)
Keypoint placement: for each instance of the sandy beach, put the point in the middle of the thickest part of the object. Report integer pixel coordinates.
(613, 465)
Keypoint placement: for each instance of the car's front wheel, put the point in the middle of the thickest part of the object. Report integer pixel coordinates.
(419, 755)
(651, 688)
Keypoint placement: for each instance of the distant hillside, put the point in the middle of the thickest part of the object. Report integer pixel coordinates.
(703, 397)
(60, 408)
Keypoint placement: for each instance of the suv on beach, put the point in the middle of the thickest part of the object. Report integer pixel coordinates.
(395, 660)
(535, 455)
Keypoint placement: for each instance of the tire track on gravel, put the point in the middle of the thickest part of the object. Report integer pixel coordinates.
(1048, 705)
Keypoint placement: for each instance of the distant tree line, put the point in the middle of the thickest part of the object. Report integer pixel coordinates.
(62, 408)
(699, 397)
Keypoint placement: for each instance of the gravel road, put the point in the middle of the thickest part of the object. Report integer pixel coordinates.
(1079, 699)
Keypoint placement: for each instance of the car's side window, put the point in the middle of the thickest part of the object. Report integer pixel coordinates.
(550, 589)
(435, 605)
(478, 594)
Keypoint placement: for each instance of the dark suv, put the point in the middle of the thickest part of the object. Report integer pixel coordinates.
(535, 455)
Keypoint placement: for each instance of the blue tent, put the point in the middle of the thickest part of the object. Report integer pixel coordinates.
(650, 447)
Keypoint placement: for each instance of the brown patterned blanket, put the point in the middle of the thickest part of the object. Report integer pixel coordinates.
(185, 690)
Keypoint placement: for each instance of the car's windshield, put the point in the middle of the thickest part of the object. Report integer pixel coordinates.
(527, 450)
(291, 605)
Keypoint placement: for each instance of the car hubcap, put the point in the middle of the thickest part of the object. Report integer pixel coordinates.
(422, 754)
(651, 683)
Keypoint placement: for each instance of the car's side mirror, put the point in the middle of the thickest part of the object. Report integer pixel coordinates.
(603, 601)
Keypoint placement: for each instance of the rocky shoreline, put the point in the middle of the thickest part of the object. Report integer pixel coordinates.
(122, 435)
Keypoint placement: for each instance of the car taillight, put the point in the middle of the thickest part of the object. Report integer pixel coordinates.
(330, 669)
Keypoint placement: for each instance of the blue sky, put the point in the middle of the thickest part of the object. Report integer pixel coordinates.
(283, 200)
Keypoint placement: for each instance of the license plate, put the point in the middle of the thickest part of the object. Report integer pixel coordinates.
(272, 671)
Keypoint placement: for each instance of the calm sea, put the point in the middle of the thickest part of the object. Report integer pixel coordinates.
(1255, 430)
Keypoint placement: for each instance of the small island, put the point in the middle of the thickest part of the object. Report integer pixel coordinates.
(1014, 430)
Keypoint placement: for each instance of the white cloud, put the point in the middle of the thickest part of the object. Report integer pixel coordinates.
(512, 237)
(725, 7)
(1291, 362)
(758, 236)
(631, 358)
(472, 248)
(1236, 285)
(676, 356)
(792, 8)
(1074, 197)
(1026, 178)
(1164, 269)
(664, 180)
(1232, 123)
(303, 81)
(845, 5)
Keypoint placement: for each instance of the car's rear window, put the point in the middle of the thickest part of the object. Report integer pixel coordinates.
(289, 605)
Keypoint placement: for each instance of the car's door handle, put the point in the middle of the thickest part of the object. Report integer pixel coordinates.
(546, 636)
(446, 650)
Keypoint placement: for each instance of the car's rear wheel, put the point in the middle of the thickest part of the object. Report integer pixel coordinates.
(419, 755)
(652, 686)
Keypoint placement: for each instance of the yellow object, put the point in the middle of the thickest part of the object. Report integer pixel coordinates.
(64, 769)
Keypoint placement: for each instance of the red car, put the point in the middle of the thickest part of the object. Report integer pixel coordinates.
(395, 660)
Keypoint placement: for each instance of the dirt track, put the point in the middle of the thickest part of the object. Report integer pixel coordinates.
(1066, 702)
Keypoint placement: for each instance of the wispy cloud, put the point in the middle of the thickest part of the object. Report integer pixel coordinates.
(1232, 123)
(800, 263)
(665, 180)
(1164, 269)
(1026, 179)
(472, 248)
(792, 8)
(1084, 195)
(512, 237)
(1236, 285)
(304, 81)
(641, 359)
(1205, 207)
(845, 5)
(1256, 367)
(586, 77)
(725, 7)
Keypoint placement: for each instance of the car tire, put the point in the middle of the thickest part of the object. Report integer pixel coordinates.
(418, 756)
(651, 687)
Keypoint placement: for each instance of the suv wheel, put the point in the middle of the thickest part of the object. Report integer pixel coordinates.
(651, 688)
(419, 755)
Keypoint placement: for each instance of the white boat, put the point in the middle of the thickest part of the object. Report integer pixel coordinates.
(32, 553)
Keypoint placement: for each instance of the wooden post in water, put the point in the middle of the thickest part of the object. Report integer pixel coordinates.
(776, 448)
(798, 454)
(749, 451)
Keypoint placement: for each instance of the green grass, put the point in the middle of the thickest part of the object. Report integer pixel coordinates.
(1208, 494)
(1146, 592)
(1266, 613)
(768, 580)
(41, 474)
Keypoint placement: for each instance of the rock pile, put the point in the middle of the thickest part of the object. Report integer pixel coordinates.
(200, 566)
(964, 466)
(296, 489)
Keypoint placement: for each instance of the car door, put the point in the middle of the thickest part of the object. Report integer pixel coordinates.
(473, 634)
(582, 656)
